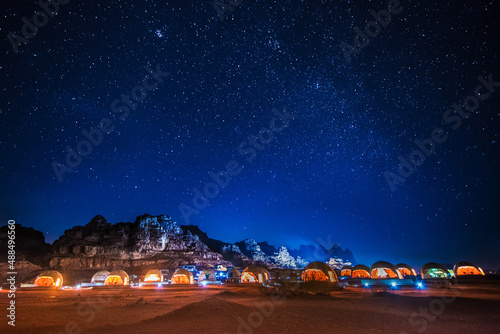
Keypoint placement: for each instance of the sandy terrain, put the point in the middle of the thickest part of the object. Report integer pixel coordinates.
(192, 309)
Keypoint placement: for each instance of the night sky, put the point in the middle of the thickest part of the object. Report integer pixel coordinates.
(321, 176)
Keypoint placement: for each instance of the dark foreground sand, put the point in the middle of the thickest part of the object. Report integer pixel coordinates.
(475, 309)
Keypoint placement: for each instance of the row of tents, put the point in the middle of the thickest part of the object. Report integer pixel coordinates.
(251, 274)
(315, 271)
(429, 270)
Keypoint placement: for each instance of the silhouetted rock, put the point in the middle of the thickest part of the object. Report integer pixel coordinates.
(30, 244)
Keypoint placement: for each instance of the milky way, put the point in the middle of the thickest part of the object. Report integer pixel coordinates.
(323, 174)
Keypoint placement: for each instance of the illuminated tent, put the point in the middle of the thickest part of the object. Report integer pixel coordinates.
(346, 271)
(117, 277)
(49, 278)
(360, 271)
(434, 270)
(406, 270)
(383, 270)
(182, 276)
(319, 271)
(100, 276)
(467, 269)
(206, 275)
(233, 275)
(153, 276)
(253, 274)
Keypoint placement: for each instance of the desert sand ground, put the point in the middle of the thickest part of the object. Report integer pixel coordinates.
(246, 309)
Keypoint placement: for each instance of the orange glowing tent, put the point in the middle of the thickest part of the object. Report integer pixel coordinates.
(319, 271)
(360, 271)
(254, 274)
(467, 269)
(383, 270)
(182, 276)
(346, 271)
(49, 278)
(153, 276)
(117, 277)
(406, 270)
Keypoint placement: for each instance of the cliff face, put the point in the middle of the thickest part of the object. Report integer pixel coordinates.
(240, 254)
(149, 240)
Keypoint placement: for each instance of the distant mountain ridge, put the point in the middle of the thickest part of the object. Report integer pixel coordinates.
(159, 241)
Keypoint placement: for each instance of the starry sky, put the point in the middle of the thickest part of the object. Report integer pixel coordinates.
(319, 180)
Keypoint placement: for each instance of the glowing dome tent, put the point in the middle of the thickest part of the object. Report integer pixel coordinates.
(206, 275)
(406, 270)
(384, 270)
(360, 271)
(182, 276)
(467, 269)
(233, 275)
(117, 277)
(99, 277)
(346, 271)
(153, 276)
(254, 274)
(434, 270)
(49, 278)
(319, 271)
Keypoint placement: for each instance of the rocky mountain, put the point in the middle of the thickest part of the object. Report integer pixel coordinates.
(325, 252)
(154, 242)
(100, 245)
